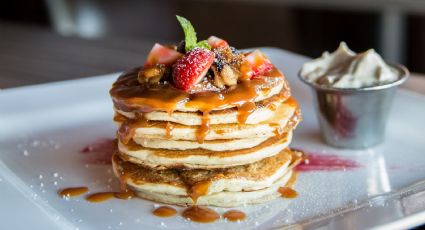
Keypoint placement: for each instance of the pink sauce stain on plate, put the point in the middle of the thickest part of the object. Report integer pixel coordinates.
(100, 151)
(326, 162)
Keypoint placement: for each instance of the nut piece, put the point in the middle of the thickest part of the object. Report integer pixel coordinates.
(152, 75)
(229, 75)
(218, 81)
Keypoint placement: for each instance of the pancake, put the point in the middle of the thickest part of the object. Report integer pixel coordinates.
(220, 199)
(129, 95)
(221, 140)
(201, 158)
(264, 110)
(285, 119)
(213, 145)
(249, 183)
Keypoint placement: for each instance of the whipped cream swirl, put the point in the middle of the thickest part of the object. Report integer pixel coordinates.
(346, 69)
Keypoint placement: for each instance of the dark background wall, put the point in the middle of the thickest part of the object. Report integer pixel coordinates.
(302, 29)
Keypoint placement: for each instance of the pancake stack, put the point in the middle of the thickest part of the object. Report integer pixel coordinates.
(206, 145)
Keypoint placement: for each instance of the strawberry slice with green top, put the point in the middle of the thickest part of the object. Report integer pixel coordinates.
(160, 54)
(191, 68)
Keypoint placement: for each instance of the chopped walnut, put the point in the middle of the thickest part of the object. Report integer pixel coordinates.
(152, 75)
(218, 81)
(229, 75)
(227, 56)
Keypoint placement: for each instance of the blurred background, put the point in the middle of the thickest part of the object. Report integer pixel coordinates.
(48, 40)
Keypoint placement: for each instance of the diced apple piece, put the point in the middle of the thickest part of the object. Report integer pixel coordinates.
(160, 54)
(255, 64)
(216, 42)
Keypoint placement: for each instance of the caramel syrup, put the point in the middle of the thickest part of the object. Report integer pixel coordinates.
(199, 189)
(164, 211)
(220, 131)
(100, 197)
(119, 117)
(204, 129)
(71, 192)
(200, 214)
(272, 107)
(123, 180)
(129, 95)
(124, 195)
(169, 130)
(128, 128)
(234, 215)
(287, 192)
(292, 180)
(244, 111)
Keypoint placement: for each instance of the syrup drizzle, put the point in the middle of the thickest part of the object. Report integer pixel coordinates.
(287, 192)
(199, 189)
(164, 211)
(100, 197)
(234, 215)
(128, 128)
(204, 129)
(169, 130)
(129, 95)
(200, 214)
(74, 191)
(244, 111)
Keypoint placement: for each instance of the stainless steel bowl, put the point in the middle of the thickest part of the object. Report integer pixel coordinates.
(355, 117)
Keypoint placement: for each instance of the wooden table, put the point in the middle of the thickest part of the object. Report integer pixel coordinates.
(32, 55)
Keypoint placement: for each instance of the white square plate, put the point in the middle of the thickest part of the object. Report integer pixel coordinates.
(44, 127)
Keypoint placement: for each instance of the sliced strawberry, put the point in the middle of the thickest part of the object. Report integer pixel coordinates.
(162, 55)
(216, 42)
(255, 64)
(191, 68)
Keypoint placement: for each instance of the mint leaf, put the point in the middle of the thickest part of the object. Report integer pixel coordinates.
(204, 44)
(190, 35)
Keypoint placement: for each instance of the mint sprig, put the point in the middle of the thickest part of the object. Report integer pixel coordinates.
(190, 35)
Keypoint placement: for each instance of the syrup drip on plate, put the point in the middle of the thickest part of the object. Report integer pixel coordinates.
(100, 197)
(200, 214)
(287, 192)
(74, 191)
(124, 195)
(164, 211)
(234, 215)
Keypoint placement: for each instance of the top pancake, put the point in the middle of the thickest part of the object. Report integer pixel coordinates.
(262, 111)
(129, 95)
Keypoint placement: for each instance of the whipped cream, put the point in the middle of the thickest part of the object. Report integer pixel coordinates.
(346, 69)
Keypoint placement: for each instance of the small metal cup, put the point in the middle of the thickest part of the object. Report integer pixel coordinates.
(356, 117)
